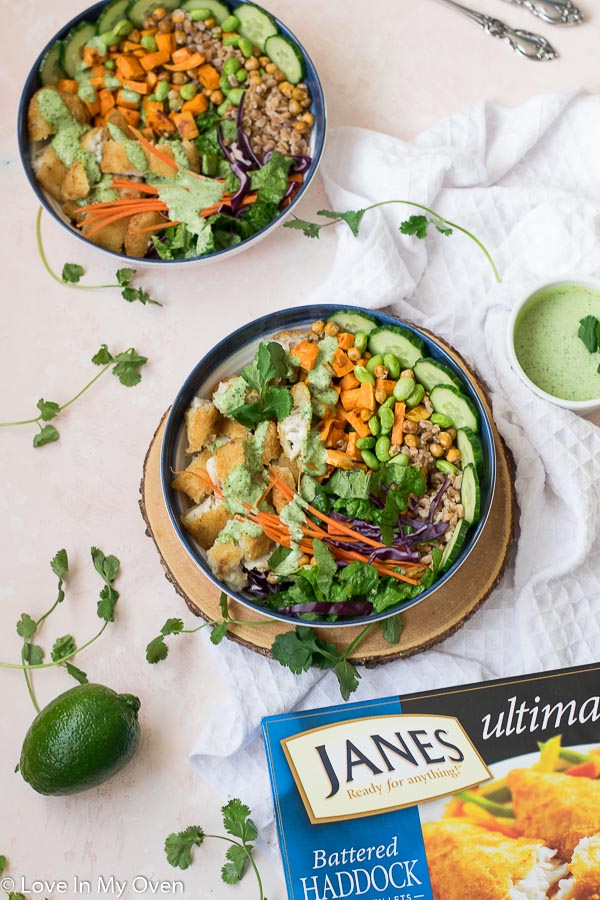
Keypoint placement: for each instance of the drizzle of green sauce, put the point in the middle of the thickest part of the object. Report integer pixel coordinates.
(68, 130)
(90, 164)
(547, 344)
(135, 153)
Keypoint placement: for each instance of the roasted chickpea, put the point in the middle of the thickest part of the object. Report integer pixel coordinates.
(331, 329)
(411, 440)
(453, 455)
(318, 327)
(436, 451)
(445, 440)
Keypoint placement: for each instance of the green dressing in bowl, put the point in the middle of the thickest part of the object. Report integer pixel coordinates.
(547, 344)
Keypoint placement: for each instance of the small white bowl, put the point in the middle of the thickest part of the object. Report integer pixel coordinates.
(583, 407)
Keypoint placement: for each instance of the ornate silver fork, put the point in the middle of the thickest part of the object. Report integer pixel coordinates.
(528, 44)
(555, 12)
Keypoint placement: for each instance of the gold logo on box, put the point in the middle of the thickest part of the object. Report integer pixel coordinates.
(381, 763)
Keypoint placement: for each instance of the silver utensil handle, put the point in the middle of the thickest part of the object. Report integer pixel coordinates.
(555, 12)
(528, 44)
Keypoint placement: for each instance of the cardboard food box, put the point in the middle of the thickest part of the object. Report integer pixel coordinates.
(482, 792)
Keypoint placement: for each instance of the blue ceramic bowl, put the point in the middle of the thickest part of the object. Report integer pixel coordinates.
(33, 83)
(227, 359)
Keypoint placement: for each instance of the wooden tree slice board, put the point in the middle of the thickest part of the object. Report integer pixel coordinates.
(425, 624)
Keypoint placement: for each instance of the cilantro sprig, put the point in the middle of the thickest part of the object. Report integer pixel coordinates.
(72, 273)
(65, 647)
(238, 858)
(125, 366)
(297, 650)
(268, 400)
(589, 332)
(416, 225)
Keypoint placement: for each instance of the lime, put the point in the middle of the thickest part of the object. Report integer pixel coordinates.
(79, 740)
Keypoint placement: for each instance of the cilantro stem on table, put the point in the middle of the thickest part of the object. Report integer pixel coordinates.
(415, 225)
(125, 366)
(238, 824)
(65, 647)
(72, 273)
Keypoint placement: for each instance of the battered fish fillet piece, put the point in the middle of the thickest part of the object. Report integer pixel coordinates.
(470, 863)
(584, 872)
(557, 808)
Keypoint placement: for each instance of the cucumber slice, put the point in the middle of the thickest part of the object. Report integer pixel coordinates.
(454, 545)
(51, 70)
(400, 341)
(287, 58)
(449, 401)
(430, 373)
(352, 321)
(218, 9)
(255, 25)
(470, 495)
(137, 11)
(470, 449)
(112, 14)
(71, 56)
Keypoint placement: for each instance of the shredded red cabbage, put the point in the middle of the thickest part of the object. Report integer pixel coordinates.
(259, 585)
(348, 609)
(437, 499)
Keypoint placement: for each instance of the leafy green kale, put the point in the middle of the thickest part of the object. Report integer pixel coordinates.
(271, 180)
(272, 401)
(176, 243)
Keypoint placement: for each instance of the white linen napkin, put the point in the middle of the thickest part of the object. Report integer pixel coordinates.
(527, 182)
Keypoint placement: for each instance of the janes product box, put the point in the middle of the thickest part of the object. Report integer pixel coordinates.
(488, 791)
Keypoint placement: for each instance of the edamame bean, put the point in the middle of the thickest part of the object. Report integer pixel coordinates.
(374, 362)
(365, 443)
(122, 28)
(389, 403)
(360, 341)
(130, 96)
(232, 40)
(403, 388)
(222, 109)
(224, 84)
(416, 396)
(386, 417)
(110, 64)
(148, 42)
(401, 459)
(382, 448)
(162, 90)
(363, 375)
(231, 23)
(241, 75)
(231, 66)
(188, 91)
(370, 459)
(199, 15)
(392, 364)
(374, 425)
(441, 420)
(246, 47)
(235, 96)
(444, 466)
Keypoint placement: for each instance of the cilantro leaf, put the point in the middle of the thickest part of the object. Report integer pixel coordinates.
(103, 357)
(132, 294)
(172, 626)
(107, 603)
(72, 273)
(63, 646)
(237, 821)
(106, 566)
(392, 629)
(293, 651)
(157, 650)
(326, 566)
(348, 677)
(309, 229)
(416, 226)
(76, 673)
(60, 563)
(234, 869)
(224, 605)
(127, 368)
(218, 632)
(269, 364)
(124, 276)
(589, 332)
(278, 403)
(48, 409)
(178, 847)
(33, 654)
(442, 227)
(47, 435)
(352, 218)
(26, 626)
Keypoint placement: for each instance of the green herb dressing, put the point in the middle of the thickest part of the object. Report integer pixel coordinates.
(236, 530)
(241, 487)
(68, 131)
(90, 164)
(135, 153)
(230, 394)
(547, 345)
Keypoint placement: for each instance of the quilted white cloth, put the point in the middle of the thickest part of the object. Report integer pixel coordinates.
(527, 182)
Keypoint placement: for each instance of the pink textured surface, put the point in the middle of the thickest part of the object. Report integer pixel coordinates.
(396, 68)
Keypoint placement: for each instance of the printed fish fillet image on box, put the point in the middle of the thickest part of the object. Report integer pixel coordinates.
(484, 792)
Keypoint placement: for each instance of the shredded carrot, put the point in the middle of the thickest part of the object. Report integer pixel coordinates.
(134, 186)
(162, 226)
(152, 149)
